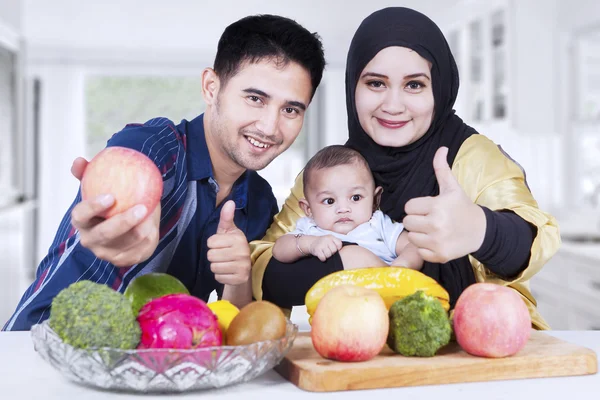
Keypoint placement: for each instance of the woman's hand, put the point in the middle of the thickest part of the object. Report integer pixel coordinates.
(447, 226)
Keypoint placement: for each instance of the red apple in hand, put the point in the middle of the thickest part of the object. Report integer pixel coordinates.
(130, 176)
(350, 323)
(491, 321)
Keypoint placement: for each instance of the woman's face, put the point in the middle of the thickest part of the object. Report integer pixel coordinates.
(394, 99)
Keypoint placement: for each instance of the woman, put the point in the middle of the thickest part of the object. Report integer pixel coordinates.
(464, 201)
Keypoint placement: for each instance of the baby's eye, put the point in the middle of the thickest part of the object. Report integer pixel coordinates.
(356, 197)
(329, 201)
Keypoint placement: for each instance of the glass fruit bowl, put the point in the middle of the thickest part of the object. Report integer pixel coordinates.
(161, 370)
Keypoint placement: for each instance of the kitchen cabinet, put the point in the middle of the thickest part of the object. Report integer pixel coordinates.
(479, 40)
(567, 288)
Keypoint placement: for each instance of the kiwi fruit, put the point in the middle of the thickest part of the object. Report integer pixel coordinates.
(257, 321)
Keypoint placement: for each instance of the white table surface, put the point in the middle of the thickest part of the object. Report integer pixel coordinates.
(24, 375)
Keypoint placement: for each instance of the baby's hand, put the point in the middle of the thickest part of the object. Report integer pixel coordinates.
(324, 247)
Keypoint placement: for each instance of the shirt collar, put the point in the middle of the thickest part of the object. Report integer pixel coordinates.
(198, 158)
(200, 165)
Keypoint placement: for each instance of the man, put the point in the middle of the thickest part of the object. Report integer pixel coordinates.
(265, 74)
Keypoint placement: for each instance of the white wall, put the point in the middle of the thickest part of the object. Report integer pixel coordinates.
(335, 129)
(10, 24)
(10, 14)
(535, 68)
(191, 26)
(62, 125)
(578, 14)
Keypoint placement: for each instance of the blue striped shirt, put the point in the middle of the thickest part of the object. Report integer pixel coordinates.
(189, 216)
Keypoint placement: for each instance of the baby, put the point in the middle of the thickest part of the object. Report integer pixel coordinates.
(341, 203)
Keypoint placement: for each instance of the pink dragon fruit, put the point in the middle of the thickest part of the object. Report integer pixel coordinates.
(178, 321)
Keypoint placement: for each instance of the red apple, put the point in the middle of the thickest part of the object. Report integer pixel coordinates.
(491, 321)
(350, 323)
(130, 176)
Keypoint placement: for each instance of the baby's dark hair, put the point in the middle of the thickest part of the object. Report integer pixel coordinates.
(332, 156)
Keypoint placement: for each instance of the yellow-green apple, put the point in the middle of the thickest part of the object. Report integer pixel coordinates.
(128, 175)
(350, 323)
(491, 321)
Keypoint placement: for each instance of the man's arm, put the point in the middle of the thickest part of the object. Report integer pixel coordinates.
(238, 295)
(229, 257)
(69, 258)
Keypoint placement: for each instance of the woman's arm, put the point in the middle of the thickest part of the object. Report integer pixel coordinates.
(261, 251)
(493, 180)
(507, 243)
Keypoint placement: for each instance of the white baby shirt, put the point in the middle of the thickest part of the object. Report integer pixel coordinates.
(379, 234)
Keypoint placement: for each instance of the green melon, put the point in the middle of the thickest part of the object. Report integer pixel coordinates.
(151, 286)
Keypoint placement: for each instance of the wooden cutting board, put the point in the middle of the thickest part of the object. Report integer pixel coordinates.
(543, 356)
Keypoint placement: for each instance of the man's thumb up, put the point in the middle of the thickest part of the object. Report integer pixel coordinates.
(446, 181)
(226, 223)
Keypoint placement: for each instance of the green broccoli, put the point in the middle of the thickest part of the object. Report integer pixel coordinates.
(419, 326)
(92, 315)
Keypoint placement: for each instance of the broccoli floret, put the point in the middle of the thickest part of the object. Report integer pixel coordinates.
(419, 326)
(92, 315)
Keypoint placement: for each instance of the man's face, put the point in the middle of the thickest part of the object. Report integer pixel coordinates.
(259, 112)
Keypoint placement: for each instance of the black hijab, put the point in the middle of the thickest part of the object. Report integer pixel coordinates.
(407, 172)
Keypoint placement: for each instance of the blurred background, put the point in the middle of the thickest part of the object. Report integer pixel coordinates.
(74, 72)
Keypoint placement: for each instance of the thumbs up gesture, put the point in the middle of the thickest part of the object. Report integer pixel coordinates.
(229, 252)
(447, 226)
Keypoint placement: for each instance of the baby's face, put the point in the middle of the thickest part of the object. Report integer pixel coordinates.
(341, 198)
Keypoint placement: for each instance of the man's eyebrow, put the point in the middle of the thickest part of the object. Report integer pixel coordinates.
(259, 92)
(298, 104)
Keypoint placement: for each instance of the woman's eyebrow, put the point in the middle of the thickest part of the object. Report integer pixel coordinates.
(417, 75)
(374, 75)
(382, 76)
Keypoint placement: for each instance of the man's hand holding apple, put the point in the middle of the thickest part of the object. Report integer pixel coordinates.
(123, 239)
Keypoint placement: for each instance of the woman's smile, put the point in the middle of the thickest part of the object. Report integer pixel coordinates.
(391, 124)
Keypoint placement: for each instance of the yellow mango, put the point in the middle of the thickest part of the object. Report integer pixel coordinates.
(225, 312)
(391, 283)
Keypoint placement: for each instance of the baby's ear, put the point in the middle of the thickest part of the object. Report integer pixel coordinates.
(305, 207)
(377, 198)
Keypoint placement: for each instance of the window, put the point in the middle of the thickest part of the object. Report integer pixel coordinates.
(498, 47)
(114, 101)
(476, 71)
(480, 45)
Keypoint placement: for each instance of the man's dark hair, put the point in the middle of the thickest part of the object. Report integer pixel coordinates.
(332, 156)
(258, 37)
